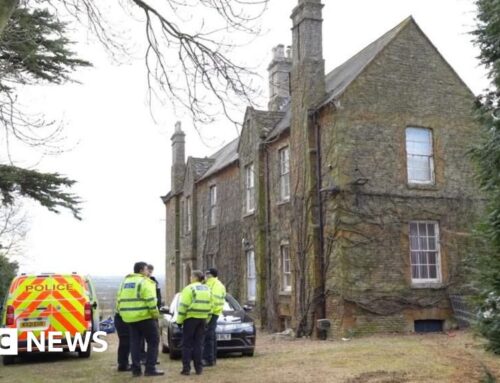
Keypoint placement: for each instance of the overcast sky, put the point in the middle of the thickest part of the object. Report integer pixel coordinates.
(121, 157)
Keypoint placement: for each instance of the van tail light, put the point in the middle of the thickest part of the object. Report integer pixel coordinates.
(10, 315)
(88, 311)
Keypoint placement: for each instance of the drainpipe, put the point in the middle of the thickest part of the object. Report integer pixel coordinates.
(322, 334)
(269, 286)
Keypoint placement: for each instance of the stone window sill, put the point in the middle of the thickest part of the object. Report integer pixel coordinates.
(286, 293)
(283, 202)
(427, 285)
(414, 186)
(249, 214)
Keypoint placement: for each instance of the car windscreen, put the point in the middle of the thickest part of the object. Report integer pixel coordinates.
(174, 304)
(231, 304)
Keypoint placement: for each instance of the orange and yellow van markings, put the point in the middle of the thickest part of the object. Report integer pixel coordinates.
(74, 315)
(68, 292)
(34, 304)
(76, 294)
(24, 294)
(65, 325)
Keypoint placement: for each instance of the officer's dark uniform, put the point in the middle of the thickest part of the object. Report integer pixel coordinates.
(137, 307)
(195, 308)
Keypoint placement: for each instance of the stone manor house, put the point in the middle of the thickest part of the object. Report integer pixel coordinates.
(350, 199)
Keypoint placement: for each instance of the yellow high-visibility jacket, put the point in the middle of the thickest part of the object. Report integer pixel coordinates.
(195, 302)
(136, 300)
(218, 294)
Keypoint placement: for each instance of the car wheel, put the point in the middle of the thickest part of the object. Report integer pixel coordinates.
(8, 359)
(174, 354)
(248, 353)
(164, 347)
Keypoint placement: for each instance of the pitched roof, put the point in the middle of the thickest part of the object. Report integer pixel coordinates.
(282, 125)
(341, 77)
(337, 81)
(224, 157)
(200, 166)
(166, 197)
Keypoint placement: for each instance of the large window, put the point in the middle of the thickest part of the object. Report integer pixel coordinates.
(251, 276)
(419, 152)
(424, 252)
(249, 189)
(284, 163)
(189, 214)
(212, 213)
(286, 270)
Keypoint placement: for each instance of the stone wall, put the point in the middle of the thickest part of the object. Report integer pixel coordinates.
(370, 202)
(220, 245)
(171, 262)
(278, 234)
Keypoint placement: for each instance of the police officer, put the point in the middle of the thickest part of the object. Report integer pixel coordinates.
(123, 331)
(218, 297)
(158, 300)
(137, 307)
(151, 269)
(195, 308)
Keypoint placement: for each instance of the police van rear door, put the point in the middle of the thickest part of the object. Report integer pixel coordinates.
(52, 303)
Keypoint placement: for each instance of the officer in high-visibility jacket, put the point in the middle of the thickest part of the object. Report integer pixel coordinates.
(137, 307)
(219, 298)
(195, 309)
(123, 331)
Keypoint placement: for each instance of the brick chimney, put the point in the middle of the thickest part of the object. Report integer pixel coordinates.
(279, 78)
(178, 158)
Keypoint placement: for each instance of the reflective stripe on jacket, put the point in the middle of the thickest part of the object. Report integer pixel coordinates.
(218, 294)
(136, 299)
(195, 302)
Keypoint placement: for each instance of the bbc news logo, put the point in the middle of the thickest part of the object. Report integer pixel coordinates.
(8, 341)
(52, 341)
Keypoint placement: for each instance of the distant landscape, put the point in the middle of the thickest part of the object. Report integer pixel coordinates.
(107, 287)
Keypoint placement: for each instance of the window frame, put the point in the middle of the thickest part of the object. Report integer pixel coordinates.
(249, 276)
(189, 214)
(249, 188)
(212, 203)
(439, 277)
(430, 157)
(285, 287)
(182, 218)
(284, 174)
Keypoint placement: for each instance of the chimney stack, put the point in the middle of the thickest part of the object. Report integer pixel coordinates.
(307, 91)
(279, 78)
(178, 158)
(308, 70)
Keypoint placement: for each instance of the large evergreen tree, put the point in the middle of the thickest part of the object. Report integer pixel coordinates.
(34, 49)
(186, 62)
(487, 156)
(8, 270)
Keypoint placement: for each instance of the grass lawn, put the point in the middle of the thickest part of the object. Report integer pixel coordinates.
(456, 358)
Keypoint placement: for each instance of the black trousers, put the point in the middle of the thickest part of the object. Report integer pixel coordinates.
(210, 344)
(123, 332)
(193, 333)
(148, 330)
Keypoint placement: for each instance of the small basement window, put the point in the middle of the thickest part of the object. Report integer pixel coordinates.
(428, 325)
